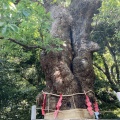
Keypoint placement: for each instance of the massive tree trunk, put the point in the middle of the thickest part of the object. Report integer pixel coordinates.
(70, 71)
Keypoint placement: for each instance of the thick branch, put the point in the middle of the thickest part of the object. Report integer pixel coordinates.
(82, 14)
(112, 72)
(107, 73)
(23, 45)
(99, 68)
(113, 85)
(114, 58)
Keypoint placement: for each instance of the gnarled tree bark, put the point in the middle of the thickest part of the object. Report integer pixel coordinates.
(70, 71)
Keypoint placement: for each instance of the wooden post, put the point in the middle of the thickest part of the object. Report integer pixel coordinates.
(33, 112)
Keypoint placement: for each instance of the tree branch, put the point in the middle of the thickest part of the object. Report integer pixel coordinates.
(113, 85)
(112, 72)
(98, 67)
(23, 45)
(107, 70)
(115, 60)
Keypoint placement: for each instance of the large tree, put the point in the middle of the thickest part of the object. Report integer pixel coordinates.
(70, 71)
(67, 71)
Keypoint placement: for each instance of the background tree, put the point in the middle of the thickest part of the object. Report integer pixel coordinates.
(107, 61)
(106, 32)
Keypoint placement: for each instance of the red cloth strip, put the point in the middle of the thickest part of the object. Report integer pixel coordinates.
(58, 106)
(89, 105)
(43, 104)
(96, 107)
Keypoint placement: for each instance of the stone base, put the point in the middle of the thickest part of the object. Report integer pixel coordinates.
(70, 114)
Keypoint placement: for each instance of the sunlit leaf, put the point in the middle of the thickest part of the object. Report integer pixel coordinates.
(12, 5)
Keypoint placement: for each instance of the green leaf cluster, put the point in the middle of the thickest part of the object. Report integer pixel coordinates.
(20, 82)
(26, 22)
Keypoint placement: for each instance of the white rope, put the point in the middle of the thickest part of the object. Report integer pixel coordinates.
(67, 95)
(71, 95)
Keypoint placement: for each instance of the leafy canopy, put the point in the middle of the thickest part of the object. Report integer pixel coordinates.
(26, 22)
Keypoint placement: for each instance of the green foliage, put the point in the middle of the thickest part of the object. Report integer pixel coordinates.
(107, 61)
(20, 82)
(26, 22)
(109, 12)
(21, 76)
(106, 33)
